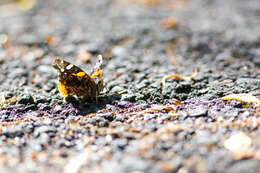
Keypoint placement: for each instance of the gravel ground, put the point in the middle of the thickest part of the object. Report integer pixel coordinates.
(138, 125)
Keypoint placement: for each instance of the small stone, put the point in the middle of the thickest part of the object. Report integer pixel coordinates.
(25, 100)
(108, 116)
(43, 139)
(141, 85)
(47, 121)
(103, 124)
(239, 144)
(17, 73)
(149, 116)
(57, 109)
(44, 68)
(119, 51)
(120, 117)
(91, 121)
(44, 107)
(12, 131)
(44, 129)
(116, 89)
(128, 97)
(166, 116)
(198, 111)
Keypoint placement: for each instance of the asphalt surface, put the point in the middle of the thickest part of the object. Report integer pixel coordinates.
(140, 124)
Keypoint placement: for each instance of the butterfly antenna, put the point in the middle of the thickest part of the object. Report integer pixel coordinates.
(99, 63)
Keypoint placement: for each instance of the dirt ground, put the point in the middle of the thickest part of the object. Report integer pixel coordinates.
(167, 67)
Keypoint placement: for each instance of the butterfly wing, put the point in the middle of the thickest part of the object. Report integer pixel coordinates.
(74, 81)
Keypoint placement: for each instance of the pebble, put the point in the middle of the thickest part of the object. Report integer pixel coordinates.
(198, 111)
(120, 117)
(13, 131)
(26, 100)
(44, 129)
(108, 116)
(119, 51)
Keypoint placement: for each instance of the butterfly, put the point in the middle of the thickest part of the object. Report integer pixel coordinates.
(74, 82)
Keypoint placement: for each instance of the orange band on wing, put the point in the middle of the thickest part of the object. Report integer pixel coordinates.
(79, 74)
(62, 88)
(98, 73)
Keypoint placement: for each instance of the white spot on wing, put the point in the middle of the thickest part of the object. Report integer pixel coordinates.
(69, 66)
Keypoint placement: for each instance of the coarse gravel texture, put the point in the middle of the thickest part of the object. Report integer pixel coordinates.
(137, 125)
